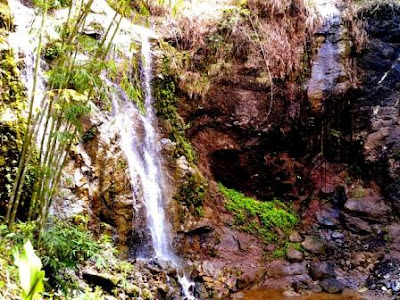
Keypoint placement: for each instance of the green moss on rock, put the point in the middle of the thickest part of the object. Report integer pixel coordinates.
(166, 106)
(12, 128)
(264, 219)
(6, 19)
(192, 192)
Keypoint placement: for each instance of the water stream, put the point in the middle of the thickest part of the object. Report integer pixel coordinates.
(24, 42)
(139, 141)
(139, 138)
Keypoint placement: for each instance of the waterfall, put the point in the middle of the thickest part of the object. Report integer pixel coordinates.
(139, 141)
(24, 42)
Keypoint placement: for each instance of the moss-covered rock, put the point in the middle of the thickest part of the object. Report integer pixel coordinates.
(12, 128)
(192, 185)
(265, 219)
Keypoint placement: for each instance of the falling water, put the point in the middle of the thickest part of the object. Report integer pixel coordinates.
(24, 42)
(139, 141)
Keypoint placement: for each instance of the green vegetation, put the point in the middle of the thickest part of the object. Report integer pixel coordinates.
(256, 217)
(166, 105)
(53, 50)
(52, 4)
(65, 245)
(193, 188)
(282, 251)
(12, 129)
(192, 192)
(71, 85)
(5, 20)
(30, 274)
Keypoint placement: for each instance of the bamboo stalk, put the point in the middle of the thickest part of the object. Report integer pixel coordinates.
(19, 178)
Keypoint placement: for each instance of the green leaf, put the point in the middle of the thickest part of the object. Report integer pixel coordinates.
(30, 274)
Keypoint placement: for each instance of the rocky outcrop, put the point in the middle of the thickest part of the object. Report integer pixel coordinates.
(329, 75)
(97, 182)
(377, 120)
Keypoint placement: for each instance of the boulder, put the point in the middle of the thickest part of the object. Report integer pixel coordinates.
(106, 281)
(295, 237)
(283, 268)
(314, 244)
(332, 286)
(321, 270)
(355, 224)
(328, 218)
(393, 191)
(293, 255)
(370, 206)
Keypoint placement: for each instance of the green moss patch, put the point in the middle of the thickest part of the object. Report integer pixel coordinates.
(12, 129)
(264, 219)
(192, 193)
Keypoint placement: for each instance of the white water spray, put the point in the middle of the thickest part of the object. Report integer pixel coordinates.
(139, 141)
(24, 42)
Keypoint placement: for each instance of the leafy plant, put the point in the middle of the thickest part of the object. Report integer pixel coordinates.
(65, 245)
(30, 273)
(97, 294)
(53, 50)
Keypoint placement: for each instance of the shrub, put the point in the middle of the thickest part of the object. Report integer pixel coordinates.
(66, 244)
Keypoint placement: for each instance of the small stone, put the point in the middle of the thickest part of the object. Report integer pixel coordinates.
(328, 218)
(239, 295)
(208, 279)
(294, 255)
(295, 237)
(132, 290)
(290, 294)
(173, 271)
(336, 235)
(231, 283)
(163, 288)
(270, 247)
(395, 286)
(122, 296)
(280, 268)
(314, 244)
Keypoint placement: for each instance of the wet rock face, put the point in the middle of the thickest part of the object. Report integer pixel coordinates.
(377, 115)
(96, 182)
(328, 72)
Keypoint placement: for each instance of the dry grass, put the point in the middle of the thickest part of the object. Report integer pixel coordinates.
(269, 36)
